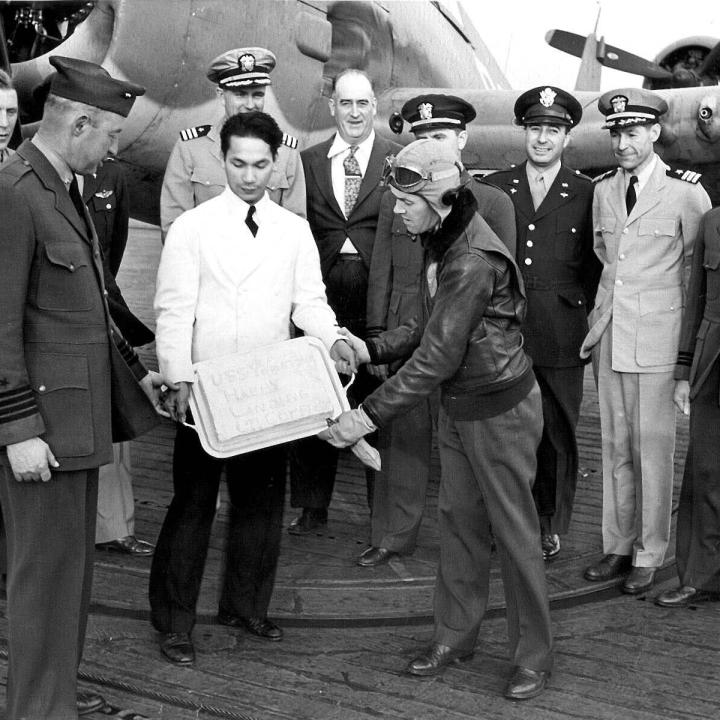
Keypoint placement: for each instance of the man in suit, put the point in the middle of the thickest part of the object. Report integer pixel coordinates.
(57, 347)
(342, 175)
(697, 391)
(645, 218)
(394, 282)
(553, 206)
(105, 195)
(195, 171)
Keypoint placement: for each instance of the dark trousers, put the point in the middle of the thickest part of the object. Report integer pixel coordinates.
(50, 529)
(488, 467)
(698, 522)
(557, 455)
(256, 485)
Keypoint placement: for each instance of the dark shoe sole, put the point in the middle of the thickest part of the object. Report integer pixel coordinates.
(173, 661)
(637, 590)
(527, 695)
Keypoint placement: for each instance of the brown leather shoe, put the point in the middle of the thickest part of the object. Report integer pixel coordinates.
(262, 627)
(526, 683)
(639, 580)
(435, 660)
(177, 648)
(375, 556)
(129, 545)
(88, 702)
(611, 566)
(312, 519)
(684, 596)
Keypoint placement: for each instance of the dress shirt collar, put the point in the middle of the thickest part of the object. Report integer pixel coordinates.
(643, 176)
(548, 174)
(362, 153)
(58, 163)
(239, 206)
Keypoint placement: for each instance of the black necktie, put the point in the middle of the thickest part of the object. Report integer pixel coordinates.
(250, 221)
(631, 194)
(74, 191)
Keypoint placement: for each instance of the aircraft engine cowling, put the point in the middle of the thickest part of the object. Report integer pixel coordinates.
(693, 61)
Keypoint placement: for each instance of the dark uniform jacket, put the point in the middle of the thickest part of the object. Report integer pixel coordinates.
(327, 220)
(397, 258)
(55, 334)
(556, 257)
(700, 339)
(466, 338)
(106, 197)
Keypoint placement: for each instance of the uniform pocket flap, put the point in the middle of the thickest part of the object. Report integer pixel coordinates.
(573, 297)
(104, 204)
(661, 300)
(657, 226)
(53, 371)
(605, 225)
(68, 255)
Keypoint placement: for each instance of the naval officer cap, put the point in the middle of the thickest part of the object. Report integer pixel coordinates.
(91, 84)
(425, 112)
(547, 104)
(242, 66)
(631, 106)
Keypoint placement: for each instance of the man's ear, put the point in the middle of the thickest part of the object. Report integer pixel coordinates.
(331, 105)
(80, 124)
(462, 137)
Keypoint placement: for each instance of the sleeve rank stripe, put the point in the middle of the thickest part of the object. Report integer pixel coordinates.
(15, 394)
(18, 415)
(10, 407)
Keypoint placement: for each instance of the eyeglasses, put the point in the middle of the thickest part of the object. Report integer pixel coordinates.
(408, 178)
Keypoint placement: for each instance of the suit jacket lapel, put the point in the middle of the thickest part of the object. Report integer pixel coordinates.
(321, 166)
(51, 180)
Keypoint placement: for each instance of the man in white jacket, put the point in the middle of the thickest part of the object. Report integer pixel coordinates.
(234, 272)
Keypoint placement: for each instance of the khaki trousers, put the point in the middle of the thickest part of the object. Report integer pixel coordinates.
(637, 418)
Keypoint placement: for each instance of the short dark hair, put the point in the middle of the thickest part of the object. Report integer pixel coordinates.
(251, 124)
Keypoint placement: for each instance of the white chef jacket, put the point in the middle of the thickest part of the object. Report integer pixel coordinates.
(220, 290)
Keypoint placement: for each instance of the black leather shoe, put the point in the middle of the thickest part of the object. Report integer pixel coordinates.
(375, 556)
(611, 566)
(312, 519)
(129, 545)
(88, 702)
(177, 648)
(526, 683)
(550, 545)
(262, 627)
(435, 660)
(684, 596)
(639, 580)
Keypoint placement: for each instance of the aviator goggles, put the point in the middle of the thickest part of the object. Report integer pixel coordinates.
(409, 178)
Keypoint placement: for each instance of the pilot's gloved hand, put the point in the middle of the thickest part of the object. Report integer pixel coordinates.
(348, 428)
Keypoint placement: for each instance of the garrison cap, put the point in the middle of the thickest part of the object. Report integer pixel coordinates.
(424, 112)
(547, 104)
(242, 66)
(631, 106)
(91, 84)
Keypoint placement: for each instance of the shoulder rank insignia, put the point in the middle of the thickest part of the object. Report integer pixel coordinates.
(195, 132)
(687, 175)
(290, 141)
(605, 176)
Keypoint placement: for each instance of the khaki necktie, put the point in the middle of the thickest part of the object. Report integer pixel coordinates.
(538, 191)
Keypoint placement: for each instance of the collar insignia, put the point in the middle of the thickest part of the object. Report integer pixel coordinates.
(563, 195)
(547, 97)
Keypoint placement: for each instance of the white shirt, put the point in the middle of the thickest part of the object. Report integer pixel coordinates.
(220, 290)
(337, 153)
(642, 177)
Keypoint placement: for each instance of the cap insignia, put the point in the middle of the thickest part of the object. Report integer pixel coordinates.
(426, 111)
(246, 62)
(547, 97)
(619, 103)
